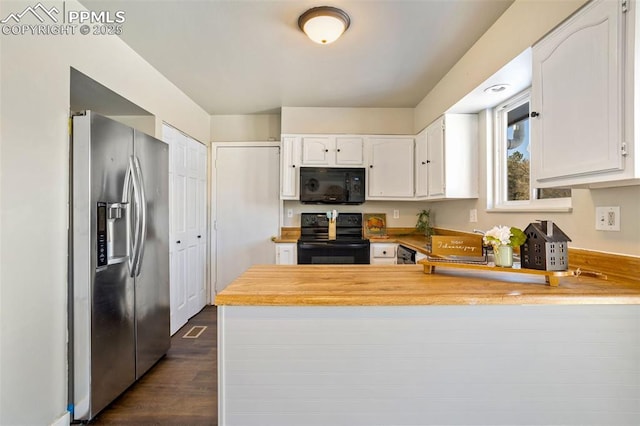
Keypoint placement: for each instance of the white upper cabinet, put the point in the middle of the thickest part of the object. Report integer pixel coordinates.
(446, 158)
(390, 171)
(349, 151)
(582, 99)
(289, 166)
(421, 161)
(332, 151)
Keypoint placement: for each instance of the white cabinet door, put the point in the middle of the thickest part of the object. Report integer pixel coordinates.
(435, 162)
(317, 151)
(289, 174)
(331, 151)
(349, 151)
(577, 92)
(447, 158)
(390, 172)
(286, 254)
(421, 163)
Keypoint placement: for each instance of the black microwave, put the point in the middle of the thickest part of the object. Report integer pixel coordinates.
(332, 185)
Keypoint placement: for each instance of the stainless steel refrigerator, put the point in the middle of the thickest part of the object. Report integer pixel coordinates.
(119, 260)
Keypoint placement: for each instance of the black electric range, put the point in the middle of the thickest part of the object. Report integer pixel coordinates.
(315, 247)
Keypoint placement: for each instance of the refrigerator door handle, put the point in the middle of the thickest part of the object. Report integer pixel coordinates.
(141, 213)
(131, 195)
(126, 199)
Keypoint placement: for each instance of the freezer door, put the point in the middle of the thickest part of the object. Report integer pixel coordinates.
(103, 292)
(152, 280)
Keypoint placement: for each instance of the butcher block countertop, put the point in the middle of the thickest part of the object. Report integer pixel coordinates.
(398, 285)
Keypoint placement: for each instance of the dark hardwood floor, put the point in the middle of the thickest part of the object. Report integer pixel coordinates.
(181, 389)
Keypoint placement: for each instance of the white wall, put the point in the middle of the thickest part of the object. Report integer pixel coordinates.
(245, 128)
(390, 121)
(34, 173)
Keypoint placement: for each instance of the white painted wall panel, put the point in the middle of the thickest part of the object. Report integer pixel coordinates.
(429, 365)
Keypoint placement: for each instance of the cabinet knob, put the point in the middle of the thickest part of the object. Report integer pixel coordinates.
(326, 150)
(338, 149)
(371, 166)
(199, 236)
(534, 114)
(424, 162)
(178, 241)
(294, 166)
(428, 161)
(384, 252)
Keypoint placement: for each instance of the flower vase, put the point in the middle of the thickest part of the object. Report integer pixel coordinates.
(503, 256)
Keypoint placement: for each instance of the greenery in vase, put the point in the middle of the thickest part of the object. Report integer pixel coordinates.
(423, 224)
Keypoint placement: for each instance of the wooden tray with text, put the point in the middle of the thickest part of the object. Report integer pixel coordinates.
(551, 277)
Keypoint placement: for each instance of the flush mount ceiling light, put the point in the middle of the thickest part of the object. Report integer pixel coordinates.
(496, 88)
(324, 24)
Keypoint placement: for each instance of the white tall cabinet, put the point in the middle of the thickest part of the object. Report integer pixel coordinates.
(188, 225)
(583, 98)
(289, 168)
(446, 158)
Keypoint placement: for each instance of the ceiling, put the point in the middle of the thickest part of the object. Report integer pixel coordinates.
(248, 56)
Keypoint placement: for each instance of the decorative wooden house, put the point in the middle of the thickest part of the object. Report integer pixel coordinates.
(546, 247)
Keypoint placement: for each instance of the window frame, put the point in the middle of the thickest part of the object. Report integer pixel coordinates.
(497, 165)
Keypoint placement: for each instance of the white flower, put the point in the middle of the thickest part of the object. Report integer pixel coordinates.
(497, 236)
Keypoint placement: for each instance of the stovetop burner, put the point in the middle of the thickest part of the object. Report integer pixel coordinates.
(315, 227)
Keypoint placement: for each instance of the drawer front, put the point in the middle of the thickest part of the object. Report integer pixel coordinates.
(383, 250)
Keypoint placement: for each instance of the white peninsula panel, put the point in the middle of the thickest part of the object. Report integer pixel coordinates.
(428, 365)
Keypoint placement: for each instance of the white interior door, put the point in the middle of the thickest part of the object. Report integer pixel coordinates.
(178, 226)
(196, 235)
(246, 208)
(188, 223)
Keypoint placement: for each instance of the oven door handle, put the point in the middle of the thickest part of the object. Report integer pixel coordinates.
(315, 244)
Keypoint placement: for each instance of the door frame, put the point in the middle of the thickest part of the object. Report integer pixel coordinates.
(213, 201)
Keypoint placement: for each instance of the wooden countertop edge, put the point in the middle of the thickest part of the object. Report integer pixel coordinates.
(441, 300)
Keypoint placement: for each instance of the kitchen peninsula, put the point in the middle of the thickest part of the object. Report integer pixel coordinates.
(368, 344)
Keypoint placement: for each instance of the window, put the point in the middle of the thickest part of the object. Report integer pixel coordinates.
(512, 184)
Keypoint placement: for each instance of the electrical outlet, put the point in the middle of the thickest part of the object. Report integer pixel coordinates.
(473, 215)
(289, 212)
(608, 218)
(396, 214)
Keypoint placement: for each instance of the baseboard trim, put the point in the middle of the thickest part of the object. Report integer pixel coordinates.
(65, 420)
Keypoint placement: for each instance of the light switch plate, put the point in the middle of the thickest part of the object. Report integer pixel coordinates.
(396, 214)
(608, 218)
